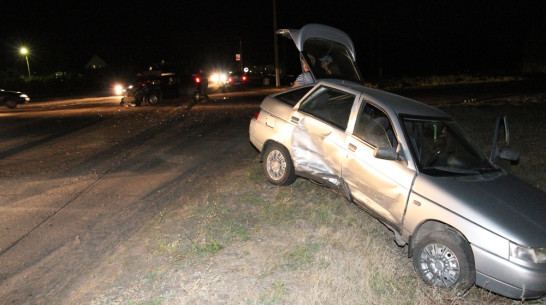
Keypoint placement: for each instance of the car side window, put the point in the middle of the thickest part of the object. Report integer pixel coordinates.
(373, 126)
(292, 97)
(330, 105)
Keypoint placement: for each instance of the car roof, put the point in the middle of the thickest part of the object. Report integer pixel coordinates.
(399, 105)
(402, 105)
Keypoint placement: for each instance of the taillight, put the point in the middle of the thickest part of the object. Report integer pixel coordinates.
(256, 115)
(244, 78)
(197, 79)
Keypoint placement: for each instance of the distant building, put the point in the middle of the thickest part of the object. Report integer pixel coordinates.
(96, 63)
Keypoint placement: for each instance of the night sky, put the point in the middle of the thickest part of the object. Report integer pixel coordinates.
(391, 37)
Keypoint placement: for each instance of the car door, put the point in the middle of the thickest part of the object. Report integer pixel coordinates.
(320, 135)
(380, 186)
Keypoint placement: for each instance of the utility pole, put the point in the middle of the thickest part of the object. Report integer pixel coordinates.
(275, 39)
(241, 54)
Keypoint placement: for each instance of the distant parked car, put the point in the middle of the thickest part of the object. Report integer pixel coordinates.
(464, 218)
(237, 78)
(150, 89)
(12, 98)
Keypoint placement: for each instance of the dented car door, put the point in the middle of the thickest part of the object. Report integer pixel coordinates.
(319, 138)
(380, 186)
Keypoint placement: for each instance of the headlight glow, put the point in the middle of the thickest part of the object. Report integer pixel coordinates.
(531, 255)
(118, 89)
(218, 78)
(23, 95)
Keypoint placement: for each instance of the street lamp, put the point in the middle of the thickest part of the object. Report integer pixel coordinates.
(24, 51)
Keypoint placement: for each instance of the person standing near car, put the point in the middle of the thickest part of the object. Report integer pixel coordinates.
(305, 77)
(204, 84)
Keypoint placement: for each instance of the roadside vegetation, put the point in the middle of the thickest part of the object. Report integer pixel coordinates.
(240, 240)
(442, 80)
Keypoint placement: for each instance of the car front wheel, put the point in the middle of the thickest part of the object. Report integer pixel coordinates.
(11, 104)
(277, 166)
(153, 99)
(196, 96)
(444, 259)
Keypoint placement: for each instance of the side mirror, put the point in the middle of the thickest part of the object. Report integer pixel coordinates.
(502, 150)
(385, 153)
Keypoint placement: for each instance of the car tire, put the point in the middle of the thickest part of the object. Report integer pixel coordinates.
(153, 98)
(277, 165)
(11, 104)
(445, 259)
(196, 96)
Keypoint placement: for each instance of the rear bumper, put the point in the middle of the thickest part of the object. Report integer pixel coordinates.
(252, 135)
(507, 278)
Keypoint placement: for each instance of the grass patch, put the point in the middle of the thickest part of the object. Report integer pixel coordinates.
(255, 174)
(302, 256)
(206, 248)
(273, 294)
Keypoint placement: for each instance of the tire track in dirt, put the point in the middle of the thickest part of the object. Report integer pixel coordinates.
(110, 216)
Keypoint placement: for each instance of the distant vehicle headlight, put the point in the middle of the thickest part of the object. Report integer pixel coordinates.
(118, 89)
(526, 254)
(25, 97)
(218, 78)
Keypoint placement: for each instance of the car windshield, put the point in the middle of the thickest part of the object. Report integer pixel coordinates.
(442, 148)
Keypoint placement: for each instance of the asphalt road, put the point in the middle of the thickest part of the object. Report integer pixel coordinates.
(79, 177)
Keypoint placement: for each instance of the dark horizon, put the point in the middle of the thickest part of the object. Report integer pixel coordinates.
(391, 38)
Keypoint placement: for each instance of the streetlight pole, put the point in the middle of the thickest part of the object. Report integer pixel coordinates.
(24, 51)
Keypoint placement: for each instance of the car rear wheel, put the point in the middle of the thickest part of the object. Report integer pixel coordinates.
(11, 104)
(277, 166)
(444, 259)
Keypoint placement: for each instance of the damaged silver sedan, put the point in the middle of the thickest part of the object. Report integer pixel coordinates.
(465, 219)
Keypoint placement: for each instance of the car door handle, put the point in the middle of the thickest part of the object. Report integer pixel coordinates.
(352, 147)
(294, 119)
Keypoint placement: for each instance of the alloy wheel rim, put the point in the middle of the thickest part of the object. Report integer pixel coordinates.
(276, 165)
(439, 265)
